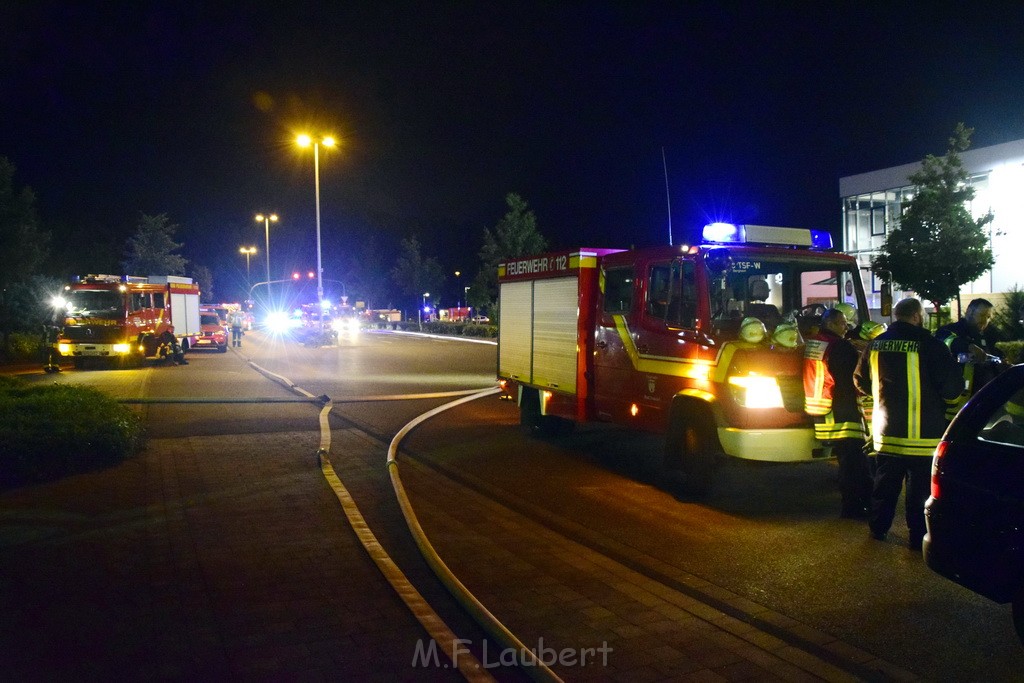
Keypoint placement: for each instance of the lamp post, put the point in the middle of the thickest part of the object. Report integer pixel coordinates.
(265, 219)
(423, 309)
(248, 251)
(326, 141)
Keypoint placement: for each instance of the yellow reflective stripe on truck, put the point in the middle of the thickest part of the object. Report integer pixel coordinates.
(660, 365)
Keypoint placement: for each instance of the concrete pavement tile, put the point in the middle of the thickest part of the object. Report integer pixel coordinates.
(704, 676)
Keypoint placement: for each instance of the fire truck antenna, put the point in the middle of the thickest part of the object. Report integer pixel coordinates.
(668, 200)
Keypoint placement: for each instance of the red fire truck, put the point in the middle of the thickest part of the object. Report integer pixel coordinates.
(702, 343)
(121, 318)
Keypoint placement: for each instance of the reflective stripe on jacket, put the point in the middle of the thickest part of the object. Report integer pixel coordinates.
(908, 374)
(829, 394)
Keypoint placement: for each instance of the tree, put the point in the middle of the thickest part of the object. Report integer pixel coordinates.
(23, 244)
(515, 235)
(1009, 317)
(150, 250)
(937, 246)
(415, 274)
(204, 278)
(28, 304)
(368, 274)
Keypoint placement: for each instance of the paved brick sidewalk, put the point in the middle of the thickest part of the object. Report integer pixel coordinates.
(557, 593)
(219, 557)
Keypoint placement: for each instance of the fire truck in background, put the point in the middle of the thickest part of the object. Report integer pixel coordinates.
(121, 318)
(701, 343)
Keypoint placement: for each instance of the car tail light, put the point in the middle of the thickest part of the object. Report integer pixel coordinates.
(940, 451)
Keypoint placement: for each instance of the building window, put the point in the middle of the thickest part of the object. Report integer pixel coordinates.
(878, 220)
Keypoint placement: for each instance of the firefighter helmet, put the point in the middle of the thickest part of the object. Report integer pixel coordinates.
(849, 311)
(786, 335)
(870, 329)
(752, 330)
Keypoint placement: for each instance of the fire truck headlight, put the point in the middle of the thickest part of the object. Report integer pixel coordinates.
(122, 348)
(63, 349)
(756, 391)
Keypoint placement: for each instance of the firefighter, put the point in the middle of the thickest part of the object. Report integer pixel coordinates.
(910, 374)
(173, 348)
(853, 326)
(831, 399)
(868, 331)
(972, 343)
(236, 319)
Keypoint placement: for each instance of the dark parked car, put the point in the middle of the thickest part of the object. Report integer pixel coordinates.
(975, 514)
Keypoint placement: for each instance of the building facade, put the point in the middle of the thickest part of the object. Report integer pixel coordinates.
(872, 201)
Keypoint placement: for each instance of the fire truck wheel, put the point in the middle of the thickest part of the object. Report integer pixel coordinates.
(533, 422)
(689, 450)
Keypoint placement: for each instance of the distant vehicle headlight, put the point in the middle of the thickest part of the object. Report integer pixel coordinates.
(278, 322)
(122, 348)
(345, 326)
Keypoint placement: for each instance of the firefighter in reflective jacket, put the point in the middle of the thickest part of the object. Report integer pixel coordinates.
(831, 399)
(909, 373)
(868, 331)
(971, 342)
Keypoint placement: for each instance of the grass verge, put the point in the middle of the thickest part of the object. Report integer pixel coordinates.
(49, 431)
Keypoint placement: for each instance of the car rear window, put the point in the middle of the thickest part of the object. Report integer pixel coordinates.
(1006, 424)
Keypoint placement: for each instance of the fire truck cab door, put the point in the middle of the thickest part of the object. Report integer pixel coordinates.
(614, 376)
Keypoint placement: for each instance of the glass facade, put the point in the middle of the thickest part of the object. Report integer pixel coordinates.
(868, 218)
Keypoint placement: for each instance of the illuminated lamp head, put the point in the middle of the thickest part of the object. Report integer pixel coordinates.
(786, 335)
(752, 330)
(849, 311)
(870, 329)
(721, 232)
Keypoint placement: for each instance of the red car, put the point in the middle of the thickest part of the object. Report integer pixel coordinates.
(213, 334)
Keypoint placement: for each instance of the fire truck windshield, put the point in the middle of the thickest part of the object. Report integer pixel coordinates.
(777, 290)
(98, 303)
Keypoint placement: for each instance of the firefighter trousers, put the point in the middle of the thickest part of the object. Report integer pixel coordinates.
(890, 473)
(854, 477)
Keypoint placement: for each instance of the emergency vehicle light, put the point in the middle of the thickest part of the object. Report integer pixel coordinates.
(728, 233)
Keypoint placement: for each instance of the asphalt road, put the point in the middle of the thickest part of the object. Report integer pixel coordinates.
(770, 534)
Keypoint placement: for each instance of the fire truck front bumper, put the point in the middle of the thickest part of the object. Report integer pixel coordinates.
(772, 445)
(87, 350)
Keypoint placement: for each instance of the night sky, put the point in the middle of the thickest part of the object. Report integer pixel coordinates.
(114, 109)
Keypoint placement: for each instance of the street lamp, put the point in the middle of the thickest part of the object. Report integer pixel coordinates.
(248, 251)
(327, 141)
(423, 309)
(265, 219)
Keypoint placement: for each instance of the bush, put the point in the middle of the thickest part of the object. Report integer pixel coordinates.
(22, 346)
(1007, 316)
(460, 329)
(1012, 351)
(49, 431)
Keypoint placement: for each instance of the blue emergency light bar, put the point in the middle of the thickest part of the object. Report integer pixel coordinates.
(728, 233)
